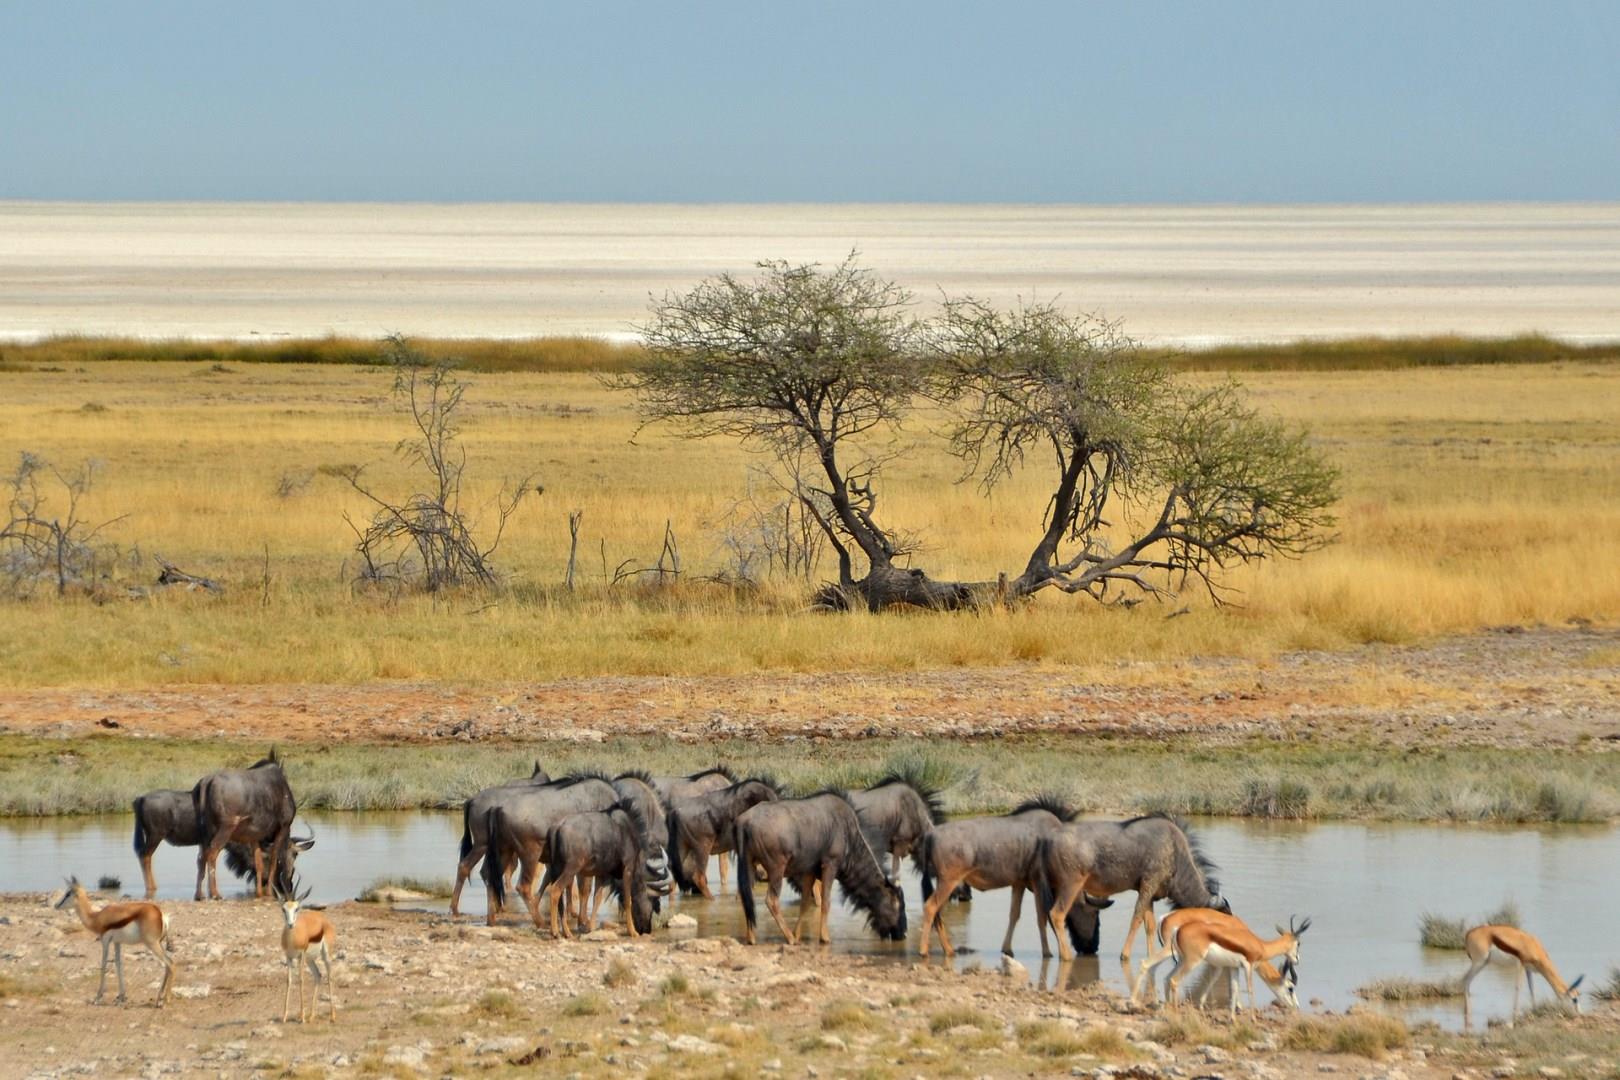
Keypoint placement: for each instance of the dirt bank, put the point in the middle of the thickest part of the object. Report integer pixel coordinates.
(1516, 687)
(420, 995)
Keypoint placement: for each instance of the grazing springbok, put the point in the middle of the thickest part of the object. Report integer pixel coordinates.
(1512, 942)
(814, 841)
(304, 933)
(474, 818)
(1284, 983)
(896, 813)
(1234, 948)
(703, 825)
(518, 828)
(254, 808)
(117, 925)
(994, 853)
(702, 782)
(1155, 855)
(612, 847)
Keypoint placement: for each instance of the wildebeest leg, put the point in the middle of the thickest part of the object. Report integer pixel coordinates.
(146, 872)
(894, 865)
(1059, 914)
(1143, 915)
(258, 875)
(723, 864)
(700, 877)
(807, 898)
(773, 902)
(526, 876)
(1014, 908)
(464, 869)
(1042, 912)
(596, 902)
(826, 903)
(626, 910)
(932, 919)
(551, 898)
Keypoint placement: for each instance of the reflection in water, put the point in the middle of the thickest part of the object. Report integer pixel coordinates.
(1365, 886)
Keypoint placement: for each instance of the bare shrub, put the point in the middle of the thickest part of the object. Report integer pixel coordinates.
(426, 540)
(45, 539)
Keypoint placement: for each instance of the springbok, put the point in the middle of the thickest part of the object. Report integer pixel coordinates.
(117, 925)
(1532, 959)
(1284, 983)
(1233, 948)
(303, 930)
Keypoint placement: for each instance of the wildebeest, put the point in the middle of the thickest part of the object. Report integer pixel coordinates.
(993, 853)
(702, 825)
(635, 787)
(253, 807)
(474, 818)
(611, 846)
(813, 842)
(167, 816)
(702, 782)
(1155, 855)
(517, 829)
(895, 814)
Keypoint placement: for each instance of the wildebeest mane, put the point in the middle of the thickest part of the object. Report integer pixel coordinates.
(638, 821)
(266, 762)
(1052, 804)
(720, 769)
(760, 778)
(912, 778)
(838, 792)
(636, 774)
(578, 777)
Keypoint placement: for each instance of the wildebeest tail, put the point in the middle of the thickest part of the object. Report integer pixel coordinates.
(745, 874)
(494, 861)
(140, 826)
(675, 854)
(466, 826)
(923, 859)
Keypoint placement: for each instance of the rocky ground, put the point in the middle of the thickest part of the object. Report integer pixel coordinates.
(419, 995)
(1514, 687)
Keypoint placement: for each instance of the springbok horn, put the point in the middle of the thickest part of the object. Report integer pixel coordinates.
(1576, 983)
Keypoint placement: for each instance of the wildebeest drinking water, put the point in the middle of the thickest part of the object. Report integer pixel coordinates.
(611, 846)
(993, 853)
(810, 842)
(1154, 855)
(702, 825)
(474, 820)
(253, 807)
(896, 813)
(168, 816)
(517, 830)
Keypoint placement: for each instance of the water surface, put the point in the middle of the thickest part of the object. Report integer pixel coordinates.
(1363, 885)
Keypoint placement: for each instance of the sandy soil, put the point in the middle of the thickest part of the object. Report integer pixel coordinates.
(411, 996)
(1174, 274)
(1513, 688)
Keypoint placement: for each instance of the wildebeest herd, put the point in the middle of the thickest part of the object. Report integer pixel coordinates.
(642, 838)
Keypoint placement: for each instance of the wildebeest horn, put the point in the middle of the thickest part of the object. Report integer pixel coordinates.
(304, 843)
(661, 887)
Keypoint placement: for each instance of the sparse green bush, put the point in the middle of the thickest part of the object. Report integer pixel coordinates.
(959, 1016)
(1441, 932)
(620, 973)
(1400, 988)
(1275, 797)
(842, 1015)
(426, 886)
(584, 1005)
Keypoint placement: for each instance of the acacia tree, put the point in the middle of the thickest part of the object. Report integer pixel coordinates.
(1194, 479)
(814, 366)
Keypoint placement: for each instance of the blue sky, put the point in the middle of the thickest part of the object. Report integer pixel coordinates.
(881, 101)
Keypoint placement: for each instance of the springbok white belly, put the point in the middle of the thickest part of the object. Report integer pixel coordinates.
(128, 934)
(1221, 957)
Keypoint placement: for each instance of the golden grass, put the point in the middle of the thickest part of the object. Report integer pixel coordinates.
(1474, 496)
(1364, 1034)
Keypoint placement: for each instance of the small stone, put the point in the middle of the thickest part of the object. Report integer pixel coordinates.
(1013, 969)
(192, 992)
(681, 921)
(377, 963)
(1213, 1055)
(511, 1044)
(833, 1042)
(691, 1044)
(1551, 1072)
(961, 1031)
(409, 1057)
(604, 934)
(773, 1065)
